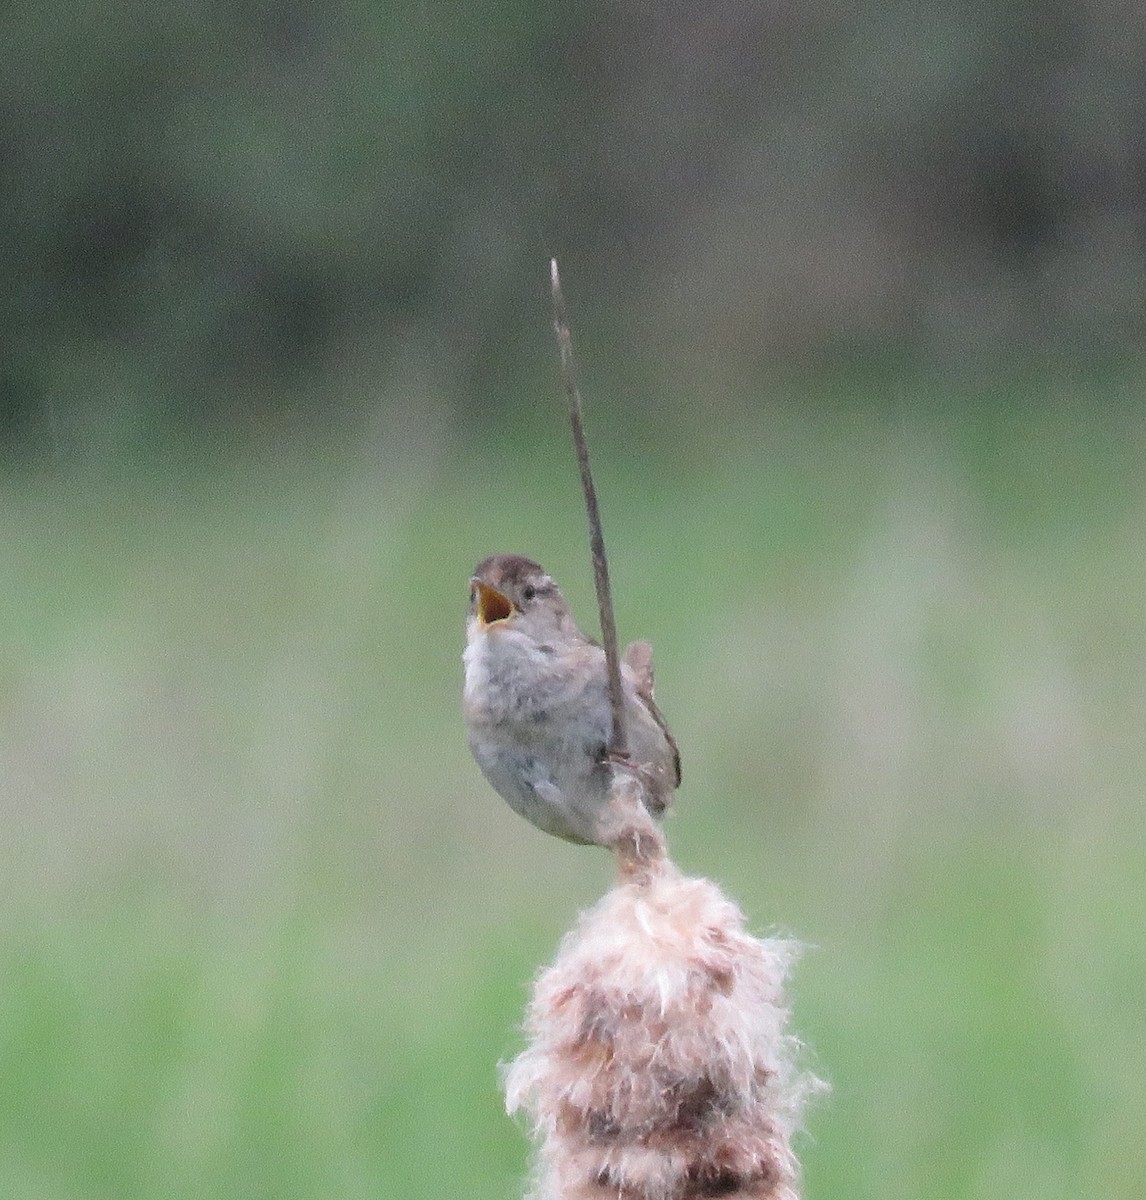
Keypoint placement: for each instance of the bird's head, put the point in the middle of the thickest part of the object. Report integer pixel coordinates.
(509, 592)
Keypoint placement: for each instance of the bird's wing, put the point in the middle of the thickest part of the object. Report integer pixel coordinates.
(638, 657)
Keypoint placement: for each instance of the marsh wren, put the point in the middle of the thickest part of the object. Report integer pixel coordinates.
(537, 705)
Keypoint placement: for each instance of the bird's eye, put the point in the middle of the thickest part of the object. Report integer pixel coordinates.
(528, 592)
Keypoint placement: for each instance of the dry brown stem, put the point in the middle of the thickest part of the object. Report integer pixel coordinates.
(618, 742)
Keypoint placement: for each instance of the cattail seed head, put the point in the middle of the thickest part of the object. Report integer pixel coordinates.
(659, 1066)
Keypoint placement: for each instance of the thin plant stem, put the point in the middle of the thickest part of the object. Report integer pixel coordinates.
(618, 742)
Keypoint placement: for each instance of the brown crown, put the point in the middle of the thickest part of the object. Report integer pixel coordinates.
(505, 571)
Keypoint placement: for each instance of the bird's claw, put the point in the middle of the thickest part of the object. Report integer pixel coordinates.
(624, 762)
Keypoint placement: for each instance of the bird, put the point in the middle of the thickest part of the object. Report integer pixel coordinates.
(537, 705)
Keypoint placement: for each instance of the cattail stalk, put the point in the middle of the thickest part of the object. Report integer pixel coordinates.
(659, 1063)
(618, 738)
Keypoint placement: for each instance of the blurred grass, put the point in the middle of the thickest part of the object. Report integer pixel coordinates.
(266, 932)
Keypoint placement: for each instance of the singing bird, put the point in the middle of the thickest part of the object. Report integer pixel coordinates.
(537, 705)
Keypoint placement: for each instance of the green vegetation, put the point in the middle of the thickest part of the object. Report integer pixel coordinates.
(267, 933)
(212, 210)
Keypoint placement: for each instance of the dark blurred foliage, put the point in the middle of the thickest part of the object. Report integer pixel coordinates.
(209, 208)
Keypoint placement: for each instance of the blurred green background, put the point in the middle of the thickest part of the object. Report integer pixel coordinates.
(858, 299)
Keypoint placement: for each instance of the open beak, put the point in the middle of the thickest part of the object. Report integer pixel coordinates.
(492, 605)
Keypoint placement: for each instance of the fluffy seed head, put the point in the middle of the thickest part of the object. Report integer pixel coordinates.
(659, 1066)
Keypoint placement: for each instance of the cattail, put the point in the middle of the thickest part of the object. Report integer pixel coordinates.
(659, 1066)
